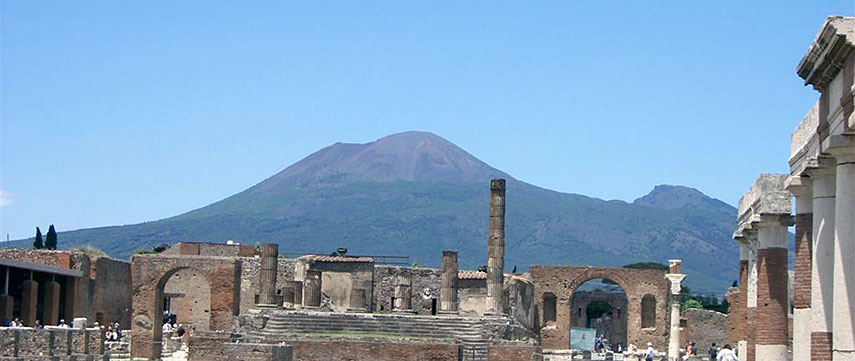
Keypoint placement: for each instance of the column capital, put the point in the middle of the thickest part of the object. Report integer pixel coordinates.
(842, 147)
(799, 185)
(676, 279)
(772, 220)
(824, 166)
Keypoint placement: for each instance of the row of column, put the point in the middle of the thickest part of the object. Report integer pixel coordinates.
(764, 289)
(29, 301)
(824, 320)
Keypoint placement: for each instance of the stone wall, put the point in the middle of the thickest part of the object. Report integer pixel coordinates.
(705, 327)
(211, 250)
(311, 350)
(28, 343)
(190, 298)
(426, 283)
(250, 267)
(59, 259)
(112, 293)
(219, 347)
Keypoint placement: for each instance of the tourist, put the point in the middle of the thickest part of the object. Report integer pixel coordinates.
(650, 353)
(694, 349)
(38, 325)
(117, 330)
(62, 323)
(180, 330)
(713, 352)
(167, 328)
(726, 354)
(688, 351)
(108, 335)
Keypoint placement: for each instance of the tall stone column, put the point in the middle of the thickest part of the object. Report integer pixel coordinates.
(676, 278)
(822, 262)
(358, 300)
(772, 287)
(843, 340)
(496, 247)
(29, 301)
(802, 189)
(51, 306)
(267, 274)
(312, 289)
(448, 292)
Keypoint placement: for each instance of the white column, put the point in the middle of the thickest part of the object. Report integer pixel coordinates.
(674, 334)
(822, 276)
(843, 340)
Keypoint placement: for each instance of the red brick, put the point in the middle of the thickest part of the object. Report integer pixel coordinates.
(804, 252)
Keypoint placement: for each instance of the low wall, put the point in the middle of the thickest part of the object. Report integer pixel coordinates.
(33, 344)
(514, 353)
(213, 347)
(311, 350)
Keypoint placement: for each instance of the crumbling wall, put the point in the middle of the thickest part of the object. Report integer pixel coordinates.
(250, 268)
(26, 343)
(426, 283)
(112, 293)
(705, 327)
(190, 295)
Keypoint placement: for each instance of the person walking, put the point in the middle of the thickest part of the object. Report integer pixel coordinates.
(650, 353)
(713, 352)
(726, 354)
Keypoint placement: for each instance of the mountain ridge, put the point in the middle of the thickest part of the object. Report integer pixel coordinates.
(416, 193)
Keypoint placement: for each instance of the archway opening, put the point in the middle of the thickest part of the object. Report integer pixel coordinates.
(598, 308)
(184, 303)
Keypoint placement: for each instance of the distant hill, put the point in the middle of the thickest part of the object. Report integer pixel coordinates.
(416, 194)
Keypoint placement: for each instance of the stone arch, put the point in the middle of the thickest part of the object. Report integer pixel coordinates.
(562, 281)
(648, 311)
(149, 275)
(617, 327)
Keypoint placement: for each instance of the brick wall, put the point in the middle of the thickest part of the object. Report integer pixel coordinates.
(311, 350)
(772, 298)
(59, 259)
(514, 353)
(112, 293)
(705, 327)
(804, 252)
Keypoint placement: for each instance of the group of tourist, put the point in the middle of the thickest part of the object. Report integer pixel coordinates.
(177, 330)
(111, 332)
(38, 324)
(715, 353)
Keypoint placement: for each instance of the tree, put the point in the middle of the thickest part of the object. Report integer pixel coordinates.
(38, 244)
(50, 239)
(692, 303)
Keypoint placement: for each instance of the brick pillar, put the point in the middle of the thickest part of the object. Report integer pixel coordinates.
(7, 305)
(802, 189)
(496, 247)
(843, 339)
(51, 306)
(267, 274)
(448, 292)
(312, 289)
(772, 288)
(822, 263)
(29, 301)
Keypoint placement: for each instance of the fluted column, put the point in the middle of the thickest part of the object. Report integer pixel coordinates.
(448, 292)
(742, 312)
(843, 340)
(403, 295)
(822, 262)
(267, 274)
(772, 287)
(751, 296)
(802, 190)
(676, 278)
(496, 247)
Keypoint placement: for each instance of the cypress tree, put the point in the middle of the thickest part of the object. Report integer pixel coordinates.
(38, 244)
(50, 239)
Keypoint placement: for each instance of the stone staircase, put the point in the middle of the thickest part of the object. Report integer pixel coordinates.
(469, 333)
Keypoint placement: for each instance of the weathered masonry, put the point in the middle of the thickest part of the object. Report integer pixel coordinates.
(822, 178)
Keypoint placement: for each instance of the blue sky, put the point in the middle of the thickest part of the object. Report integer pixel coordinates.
(122, 112)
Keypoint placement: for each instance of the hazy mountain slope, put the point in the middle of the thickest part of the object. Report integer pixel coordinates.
(416, 194)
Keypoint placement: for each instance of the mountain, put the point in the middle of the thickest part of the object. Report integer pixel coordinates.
(416, 194)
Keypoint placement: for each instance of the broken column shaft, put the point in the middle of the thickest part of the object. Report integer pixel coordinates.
(448, 292)
(496, 246)
(312, 289)
(267, 275)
